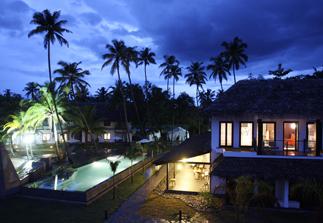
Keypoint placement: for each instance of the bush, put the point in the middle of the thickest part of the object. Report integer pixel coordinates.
(263, 200)
(211, 201)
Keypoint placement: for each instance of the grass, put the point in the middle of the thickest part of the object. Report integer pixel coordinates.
(27, 210)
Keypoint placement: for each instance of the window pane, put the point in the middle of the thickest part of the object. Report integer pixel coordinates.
(246, 134)
(229, 134)
(222, 134)
(268, 134)
(311, 137)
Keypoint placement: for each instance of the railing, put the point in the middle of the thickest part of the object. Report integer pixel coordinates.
(294, 147)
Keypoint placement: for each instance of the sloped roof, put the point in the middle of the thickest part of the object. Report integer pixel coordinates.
(194, 146)
(269, 168)
(271, 97)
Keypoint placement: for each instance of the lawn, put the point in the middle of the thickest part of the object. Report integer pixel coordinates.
(159, 207)
(27, 210)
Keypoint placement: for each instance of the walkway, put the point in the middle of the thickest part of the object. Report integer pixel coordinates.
(128, 211)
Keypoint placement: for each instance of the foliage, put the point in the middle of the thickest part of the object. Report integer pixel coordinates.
(309, 193)
(280, 71)
(211, 201)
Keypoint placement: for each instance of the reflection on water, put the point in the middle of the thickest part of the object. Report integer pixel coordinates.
(85, 177)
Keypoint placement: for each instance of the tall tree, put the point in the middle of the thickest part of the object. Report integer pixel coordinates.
(175, 72)
(102, 94)
(116, 57)
(196, 76)
(219, 69)
(44, 110)
(234, 53)
(169, 62)
(32, 90)
(207, 97)
(114, 166)
(71, 77)
(146, 57)
(50, 24)
(280, 71)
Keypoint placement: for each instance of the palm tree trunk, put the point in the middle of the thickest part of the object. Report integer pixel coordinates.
(146, 80)
(173, 111)
(234, 73)
(135, 103)
(221, 85)
(55, 138)
(124, 106)
(167, 84)
(53, 96)
(197, 106)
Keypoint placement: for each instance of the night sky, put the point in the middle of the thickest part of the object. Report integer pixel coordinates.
(276, 31)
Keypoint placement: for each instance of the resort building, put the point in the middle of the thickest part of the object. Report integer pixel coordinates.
(269, 130)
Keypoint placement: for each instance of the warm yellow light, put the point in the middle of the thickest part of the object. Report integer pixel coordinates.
(179, 166)
(293, 125)
(184, 160)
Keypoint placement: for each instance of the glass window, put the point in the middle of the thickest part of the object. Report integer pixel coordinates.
(46, 136)
(290, 135)
(268, 134)
(107, 136)
(246, 134)
(311, 135)
(226, 134)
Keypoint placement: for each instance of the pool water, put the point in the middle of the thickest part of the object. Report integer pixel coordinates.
(87, 176)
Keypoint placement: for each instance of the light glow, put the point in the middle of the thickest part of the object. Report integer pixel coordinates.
(28, 138)
(293, 125)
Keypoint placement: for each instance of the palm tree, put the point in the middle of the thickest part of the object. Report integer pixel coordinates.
(196, 76)
(116, 57)
(102, 94)
(114, 166)
(280, 71)
(134, 151)
(169, 62)
(235, 55)
(175, 72)
(87, 123)
(44, 109)
(71, 77)
(49, 24)
(15, 127)
(146, 57)
(32, 90)
(207, 97)
(219, 69)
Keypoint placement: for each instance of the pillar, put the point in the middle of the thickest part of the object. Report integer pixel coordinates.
(260, 139)
(282, 192)
(318, 138)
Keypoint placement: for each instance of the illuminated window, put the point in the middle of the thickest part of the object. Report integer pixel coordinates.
(246, 133)
(311, 135)
(268, 133)
(46, 136)
(226, 134)
(61, 138)
(107, 136)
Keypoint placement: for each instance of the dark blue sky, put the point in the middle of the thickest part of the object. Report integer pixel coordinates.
(276, 31)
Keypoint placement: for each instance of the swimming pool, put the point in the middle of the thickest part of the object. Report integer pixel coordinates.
(85, 177)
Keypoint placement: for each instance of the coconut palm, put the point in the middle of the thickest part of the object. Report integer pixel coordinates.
(102, 94)
(206, 98)
(196, 76)
(15, 127)
(87, 123)
(134, 151)
(117, 57)
(51, 26)
(114, 166)
(235, 55)
(219, 69)
(169, 62)
(71, 77)
(175, 72)
(44, 109)
(280, 71)
(146, 57)
(32, 90)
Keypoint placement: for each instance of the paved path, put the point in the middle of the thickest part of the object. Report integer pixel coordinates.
(128, 211)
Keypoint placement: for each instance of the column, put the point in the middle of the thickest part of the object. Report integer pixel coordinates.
(318, 138)
(260, 139)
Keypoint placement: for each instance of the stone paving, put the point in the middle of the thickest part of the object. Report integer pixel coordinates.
(128, 211)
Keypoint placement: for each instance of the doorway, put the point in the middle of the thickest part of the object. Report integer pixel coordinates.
(290, 136)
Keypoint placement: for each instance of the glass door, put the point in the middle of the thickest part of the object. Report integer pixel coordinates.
(311, 136)
(290, 136)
